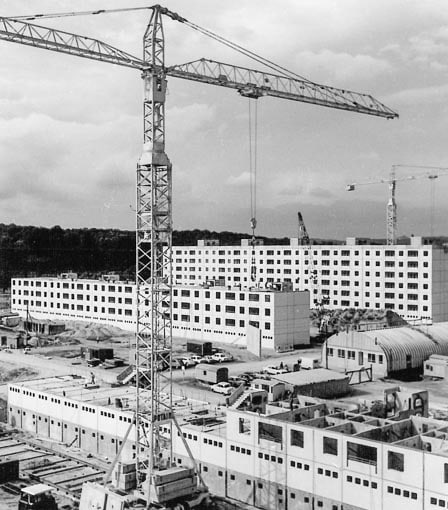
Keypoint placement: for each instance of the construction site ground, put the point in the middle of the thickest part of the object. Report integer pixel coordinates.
(63, 357)
(46, 462)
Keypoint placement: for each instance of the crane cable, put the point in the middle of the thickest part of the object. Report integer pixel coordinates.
(240, 49)
(253, 152)
(77, 13)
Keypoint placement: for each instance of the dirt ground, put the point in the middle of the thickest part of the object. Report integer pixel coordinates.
(61, 355)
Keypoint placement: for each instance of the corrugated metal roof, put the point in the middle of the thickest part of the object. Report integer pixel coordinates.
(404, 347)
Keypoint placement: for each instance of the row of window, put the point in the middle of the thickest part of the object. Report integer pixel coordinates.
(324, 253)
(327, 472)
(364, 482)
(239, 449)
(441, 502)
(399, 492)
(218, 321)
(65, 285)
(271, 458)
(351, 355)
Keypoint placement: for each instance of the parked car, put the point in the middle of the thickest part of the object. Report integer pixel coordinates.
(208, 359)
(176, 363)
(222, 356)
(247, 376)
(187, 361)
(273, 370)
(236, 381)
(27, 350)
(222, 387)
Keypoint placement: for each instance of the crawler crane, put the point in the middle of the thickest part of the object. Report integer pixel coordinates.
(154, 409)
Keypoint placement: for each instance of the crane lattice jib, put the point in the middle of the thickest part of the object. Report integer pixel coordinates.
(248, 81)
(65, 42)
(154, 198)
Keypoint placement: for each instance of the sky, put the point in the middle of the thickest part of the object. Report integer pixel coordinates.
(71, 129)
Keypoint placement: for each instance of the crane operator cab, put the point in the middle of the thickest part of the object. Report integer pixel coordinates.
(37, 497)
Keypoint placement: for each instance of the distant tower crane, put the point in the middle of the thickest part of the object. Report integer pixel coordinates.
(391, 211)
(316, 297)
(154, 195)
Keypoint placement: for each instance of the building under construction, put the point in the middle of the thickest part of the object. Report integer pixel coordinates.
(306, 453)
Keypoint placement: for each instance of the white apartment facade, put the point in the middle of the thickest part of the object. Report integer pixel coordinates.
(317, 455)
(204, 313)
(410, 279)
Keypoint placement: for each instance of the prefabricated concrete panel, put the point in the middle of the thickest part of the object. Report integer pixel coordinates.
(253, 340)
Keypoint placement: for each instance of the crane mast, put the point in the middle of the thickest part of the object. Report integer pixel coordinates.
(391, 220)
(153, 259)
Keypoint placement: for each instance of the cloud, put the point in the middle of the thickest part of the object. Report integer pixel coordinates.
(242, 179)
(342, 67)
(419, 95)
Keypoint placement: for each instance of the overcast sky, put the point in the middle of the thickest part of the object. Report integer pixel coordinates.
(70, 129)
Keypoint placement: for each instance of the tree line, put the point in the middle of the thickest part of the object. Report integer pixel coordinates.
(40, 251)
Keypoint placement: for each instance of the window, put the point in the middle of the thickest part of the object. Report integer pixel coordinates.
(361, 453)
(445, 473)
(270, 432)
(297, 438)
(395, 461)
(330, 445)
(244, 426)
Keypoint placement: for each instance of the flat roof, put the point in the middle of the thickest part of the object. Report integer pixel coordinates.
(73, 387)
(302, 377)
(36, 489)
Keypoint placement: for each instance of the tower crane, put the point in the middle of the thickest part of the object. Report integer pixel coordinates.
(391, 211)
(315, 289)
(154, 408)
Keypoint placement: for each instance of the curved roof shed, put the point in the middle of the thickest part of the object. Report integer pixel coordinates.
(403, 347)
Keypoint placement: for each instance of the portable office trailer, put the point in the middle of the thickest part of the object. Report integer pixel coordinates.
(436, 366)
(211, 374)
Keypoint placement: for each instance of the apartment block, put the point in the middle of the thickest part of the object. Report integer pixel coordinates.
(220, 313)
(410, 279)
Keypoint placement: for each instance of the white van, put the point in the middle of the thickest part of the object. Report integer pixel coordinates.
(309, 363)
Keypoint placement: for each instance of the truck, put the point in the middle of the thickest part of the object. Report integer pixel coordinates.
(309, 363)
(37, 497)
(200, 348)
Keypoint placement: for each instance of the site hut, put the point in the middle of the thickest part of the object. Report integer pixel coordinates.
(436, 366)
(101, 353)
(411, 279)
(275, 389)
(211, 374)
(320, 382)
(397, 351)
(223, 314)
